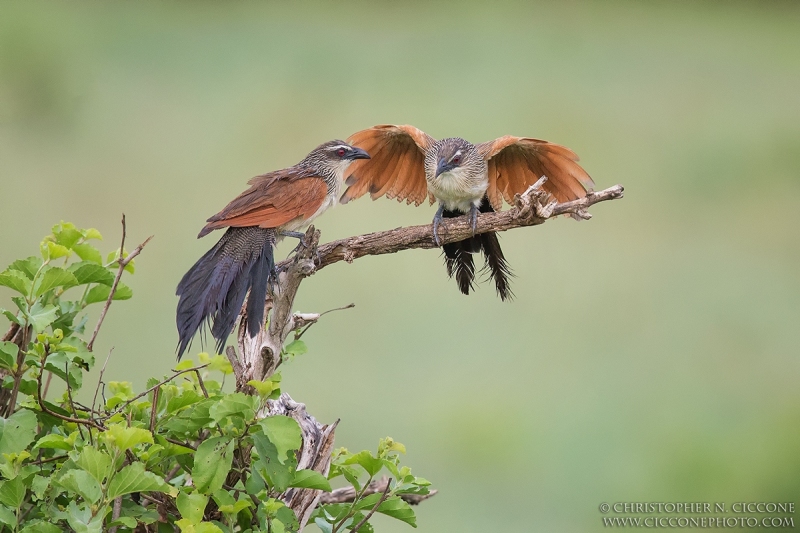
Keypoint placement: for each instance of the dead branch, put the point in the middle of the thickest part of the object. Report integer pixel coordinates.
(532, 208)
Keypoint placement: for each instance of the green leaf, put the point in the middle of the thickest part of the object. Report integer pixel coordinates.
(203, 527)
(68, 236)
(87, 252)
(397, 508)
(14, 279)
(134, 478)
(284, 433)
(212, 462)
(81, 519)
(51, 250)
(40, 526)
(52, 441)
(323, 525)
(286, 518)
(192, 506)
(89, 272)
(8, 354)
(95, 462)
(29, 266)
(17, 432)
(364, 458)
(42, 316)
(126, 521)
(223, 497)
(297, 347)
(39, 485)
(12, 317)
(234, 405)
(265, 388)
(236, 507)
(125, 438)
(277, 475)
(81, 483)
(7, 516)
(92, 233)
(54, 277)
(186, 398)
(310, 479)
(12, 492)
(99, 293)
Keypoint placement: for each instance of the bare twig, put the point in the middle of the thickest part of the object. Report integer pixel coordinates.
(47, 384)
(200, 381)
(375, 508)
(123, 262)
(154, 409)
(24, 335)
(315, 319)
(115, 513)
(71, 402)
(100, 378)
(179, 443)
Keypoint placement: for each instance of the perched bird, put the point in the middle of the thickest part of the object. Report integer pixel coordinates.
(276, 205)
(465, 178)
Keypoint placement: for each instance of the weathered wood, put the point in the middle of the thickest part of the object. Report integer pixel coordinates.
(315, 454)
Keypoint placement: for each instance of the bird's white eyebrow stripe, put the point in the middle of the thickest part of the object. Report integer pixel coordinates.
(339, 146)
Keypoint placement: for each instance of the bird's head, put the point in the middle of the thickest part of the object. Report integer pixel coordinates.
(452, 154)
(337, 151)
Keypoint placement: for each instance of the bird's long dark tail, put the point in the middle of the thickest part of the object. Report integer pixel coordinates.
(214, 289)
(459, 262)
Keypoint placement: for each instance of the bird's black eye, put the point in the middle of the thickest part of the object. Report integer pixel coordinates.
(340, 152)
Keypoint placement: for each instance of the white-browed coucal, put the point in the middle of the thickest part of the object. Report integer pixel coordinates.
(276, 205)
(465, 178)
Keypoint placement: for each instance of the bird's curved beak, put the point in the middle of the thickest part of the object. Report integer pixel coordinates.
(442, 166)
(358, 153)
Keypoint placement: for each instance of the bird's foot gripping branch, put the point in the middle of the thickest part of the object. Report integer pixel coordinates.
(182, 454)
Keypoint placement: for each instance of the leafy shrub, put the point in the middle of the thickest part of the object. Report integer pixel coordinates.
(182, 455)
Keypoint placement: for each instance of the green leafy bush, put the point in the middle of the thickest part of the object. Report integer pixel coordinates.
(182, 455)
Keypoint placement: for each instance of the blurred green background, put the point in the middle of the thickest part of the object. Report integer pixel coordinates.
(651, 353)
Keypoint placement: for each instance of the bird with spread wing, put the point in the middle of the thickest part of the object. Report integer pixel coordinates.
(465, 178)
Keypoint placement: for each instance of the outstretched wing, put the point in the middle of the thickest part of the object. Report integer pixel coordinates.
(396, 167)
(516, 163)
(271, 201)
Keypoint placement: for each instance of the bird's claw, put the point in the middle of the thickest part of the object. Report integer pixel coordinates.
(473, 218)
(437, 219)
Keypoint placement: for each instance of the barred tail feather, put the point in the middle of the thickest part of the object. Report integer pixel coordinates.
(459, 263)
(458, 258)
(214, 289)
(497, 265)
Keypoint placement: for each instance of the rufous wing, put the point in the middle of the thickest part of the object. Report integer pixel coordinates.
(396, 167)
(270, 202)
(516, 163)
